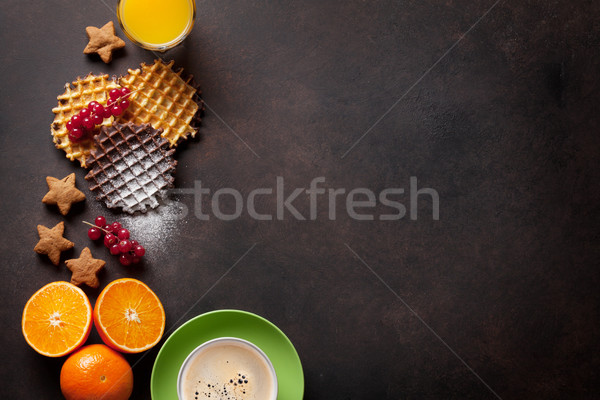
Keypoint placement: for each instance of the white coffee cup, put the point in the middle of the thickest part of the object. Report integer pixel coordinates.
(227, 367)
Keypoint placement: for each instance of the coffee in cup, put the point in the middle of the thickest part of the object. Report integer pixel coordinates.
(225, 368)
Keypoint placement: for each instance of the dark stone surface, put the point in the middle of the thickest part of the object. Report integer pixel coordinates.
(499, 295)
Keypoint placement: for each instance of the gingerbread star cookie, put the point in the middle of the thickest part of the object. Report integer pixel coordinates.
(52, 242)
(103, 41)
(63, 193)
(85, 269)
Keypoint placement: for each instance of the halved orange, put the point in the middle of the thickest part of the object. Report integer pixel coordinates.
(129, 316)
(57, 319)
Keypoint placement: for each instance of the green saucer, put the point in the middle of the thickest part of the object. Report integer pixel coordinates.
(233, 323)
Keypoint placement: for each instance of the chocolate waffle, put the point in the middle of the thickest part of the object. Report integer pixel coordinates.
(131, 167)
(162, 98)
(77, 95)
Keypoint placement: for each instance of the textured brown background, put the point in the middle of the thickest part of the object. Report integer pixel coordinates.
(505, 128)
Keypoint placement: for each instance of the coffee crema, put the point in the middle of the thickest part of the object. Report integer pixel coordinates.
(227, 369)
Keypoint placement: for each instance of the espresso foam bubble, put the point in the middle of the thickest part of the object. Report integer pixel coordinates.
(227, 370)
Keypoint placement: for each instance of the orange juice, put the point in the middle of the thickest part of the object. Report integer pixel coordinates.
(156, 24)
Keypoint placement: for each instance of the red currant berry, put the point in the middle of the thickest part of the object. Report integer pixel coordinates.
(107, 227)
(100, 221)
(125, 259)
(125, 92)
(115, 249)
(114, 94)
(116, 110)
(110, 240)
(97, 119)
(139, 251)
(77, 133)
(106, 113)
(125, 246)
(134, 243)
(123, 234)
(73, 138)
(94, 233)
(85, 112)
(98, 109)
(92, 104)
(87, 122)
(124, 104)
(69, 125)
(115, 226)
(76, 121)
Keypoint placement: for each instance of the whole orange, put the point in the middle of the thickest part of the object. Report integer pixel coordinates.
(96, 372)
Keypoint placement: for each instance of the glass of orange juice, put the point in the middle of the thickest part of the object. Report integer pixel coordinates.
(156, 24)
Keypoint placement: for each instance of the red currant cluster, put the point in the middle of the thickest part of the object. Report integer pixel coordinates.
(116, 239)
(86, 120)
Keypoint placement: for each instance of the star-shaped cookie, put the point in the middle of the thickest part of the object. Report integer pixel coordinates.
(63, 193)
(52, 242)
(103, 41)
(85, 269)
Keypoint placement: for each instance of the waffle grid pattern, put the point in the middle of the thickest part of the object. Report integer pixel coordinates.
(76, 97)
(131, 167)
(163, 99)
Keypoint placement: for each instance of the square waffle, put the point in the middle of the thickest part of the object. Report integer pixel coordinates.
(160, 97)
(131, 167)
(77, 95)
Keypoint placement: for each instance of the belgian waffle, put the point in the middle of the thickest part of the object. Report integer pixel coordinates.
(162, 98)
(76, 96)
(131, 167)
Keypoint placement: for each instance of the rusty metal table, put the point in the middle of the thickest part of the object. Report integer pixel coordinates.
(385, 107)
